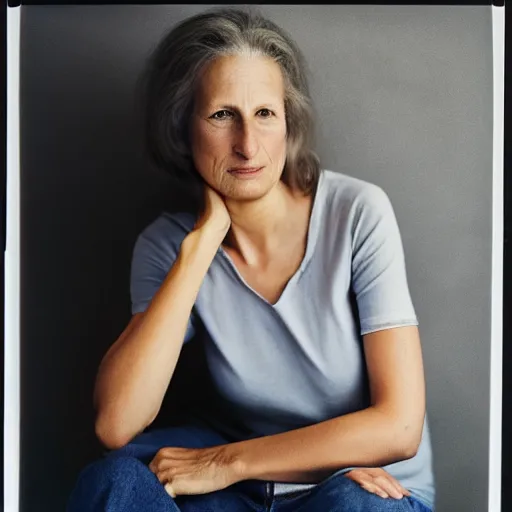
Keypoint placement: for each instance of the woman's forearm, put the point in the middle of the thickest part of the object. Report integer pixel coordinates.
(135, 373)
(368, 438)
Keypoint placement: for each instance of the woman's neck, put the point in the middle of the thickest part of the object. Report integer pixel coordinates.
(259, 228)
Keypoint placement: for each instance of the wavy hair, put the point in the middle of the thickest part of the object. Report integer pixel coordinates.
(170, 78)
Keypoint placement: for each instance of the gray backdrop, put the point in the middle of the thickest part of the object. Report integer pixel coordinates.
(404, 99)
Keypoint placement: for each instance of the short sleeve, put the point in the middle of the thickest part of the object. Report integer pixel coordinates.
(379, 279)
(153, 257)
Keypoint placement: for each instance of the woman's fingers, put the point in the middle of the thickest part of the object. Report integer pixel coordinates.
(367, 481)
(166, 457)
(192, 470)
(176, 453)
(379, 482)
(388, 482)
(170, 490)
(388, 486)
(404, 490)
(162, 477)
(400, 487)
(374, 489)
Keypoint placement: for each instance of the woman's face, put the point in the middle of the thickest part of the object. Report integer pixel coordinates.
(238, 130)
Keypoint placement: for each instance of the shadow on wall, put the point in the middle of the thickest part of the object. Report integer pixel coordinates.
(82, 211)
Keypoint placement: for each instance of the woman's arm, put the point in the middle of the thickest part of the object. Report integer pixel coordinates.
(388, 431)
(135, 373)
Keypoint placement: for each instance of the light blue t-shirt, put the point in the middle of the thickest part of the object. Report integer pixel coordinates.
(301, 360)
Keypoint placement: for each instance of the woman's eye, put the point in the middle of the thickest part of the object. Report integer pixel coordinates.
(265, 112)
(221, 114)
(226, 114)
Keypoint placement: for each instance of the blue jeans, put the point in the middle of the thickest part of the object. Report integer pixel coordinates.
(122, 482)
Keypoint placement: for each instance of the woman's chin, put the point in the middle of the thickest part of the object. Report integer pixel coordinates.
(243, 196)
(248, 191)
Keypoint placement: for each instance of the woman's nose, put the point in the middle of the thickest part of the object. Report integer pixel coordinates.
(246, 141)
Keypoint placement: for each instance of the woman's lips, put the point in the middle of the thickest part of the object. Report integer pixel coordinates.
(245, 171)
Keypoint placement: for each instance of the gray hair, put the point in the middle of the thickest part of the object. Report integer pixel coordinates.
(170, 80)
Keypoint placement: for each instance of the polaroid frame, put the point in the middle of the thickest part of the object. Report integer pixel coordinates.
(11, 241)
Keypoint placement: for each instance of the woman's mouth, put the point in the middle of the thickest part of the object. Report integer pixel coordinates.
(245, 172)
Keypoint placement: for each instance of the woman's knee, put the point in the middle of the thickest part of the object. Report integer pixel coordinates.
(108, 483)
(340, 494)
(113, 470)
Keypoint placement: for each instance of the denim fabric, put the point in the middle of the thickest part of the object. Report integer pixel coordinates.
(122, 482)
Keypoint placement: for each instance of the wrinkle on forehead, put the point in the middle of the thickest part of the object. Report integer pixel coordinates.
(222, 80)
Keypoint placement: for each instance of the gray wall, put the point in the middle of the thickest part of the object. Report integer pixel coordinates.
(404, 99)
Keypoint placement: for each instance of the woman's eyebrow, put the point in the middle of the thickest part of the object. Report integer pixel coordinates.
(215, 106)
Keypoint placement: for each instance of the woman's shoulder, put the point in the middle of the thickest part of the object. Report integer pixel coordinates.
(346, 191)
(179, 222)
(167, 231)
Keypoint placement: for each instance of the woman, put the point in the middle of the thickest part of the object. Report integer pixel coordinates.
(297, 278)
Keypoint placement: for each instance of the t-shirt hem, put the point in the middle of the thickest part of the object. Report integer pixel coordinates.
(424, 500)
(387, 325)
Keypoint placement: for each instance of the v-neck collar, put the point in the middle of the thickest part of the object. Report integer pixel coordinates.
(313, 229)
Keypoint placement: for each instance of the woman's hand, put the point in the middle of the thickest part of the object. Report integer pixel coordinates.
(193, 470)
(215, 215)
(378, 481)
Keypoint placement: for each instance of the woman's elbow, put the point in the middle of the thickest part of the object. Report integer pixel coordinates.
(110, 435)
(410, 449)
(112, 431)
(409, 440)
